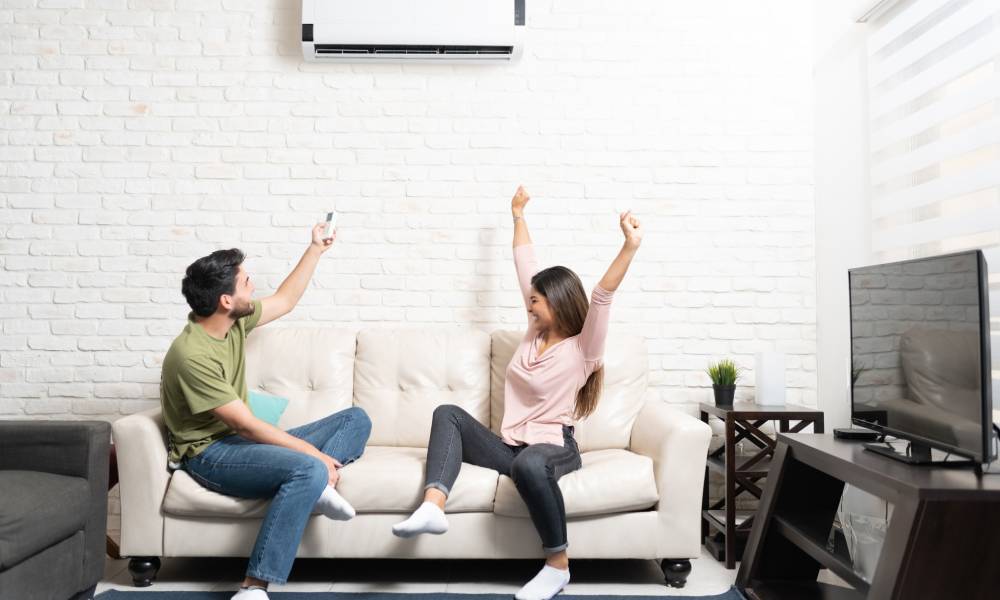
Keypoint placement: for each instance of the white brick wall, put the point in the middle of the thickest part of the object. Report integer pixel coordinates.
(138, 135)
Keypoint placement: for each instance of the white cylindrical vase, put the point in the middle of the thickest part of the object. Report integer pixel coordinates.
(769, 373)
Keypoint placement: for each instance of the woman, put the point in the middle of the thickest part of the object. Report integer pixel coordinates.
(554, 377)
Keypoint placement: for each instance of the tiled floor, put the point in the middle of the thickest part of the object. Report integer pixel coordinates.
(633, 577)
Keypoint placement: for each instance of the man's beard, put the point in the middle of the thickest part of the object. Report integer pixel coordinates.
(239, 312)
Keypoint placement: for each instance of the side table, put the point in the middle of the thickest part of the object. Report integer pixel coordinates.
(743, 421)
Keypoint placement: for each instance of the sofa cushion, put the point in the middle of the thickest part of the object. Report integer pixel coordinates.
(625, 372)
(266, 407)
(401, 376)
(610, 481)
(385, 479)
(312, 368)
(37, 510)
(186, 497)
(389, 479)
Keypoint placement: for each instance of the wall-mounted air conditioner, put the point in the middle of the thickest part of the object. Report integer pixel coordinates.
(403, 30)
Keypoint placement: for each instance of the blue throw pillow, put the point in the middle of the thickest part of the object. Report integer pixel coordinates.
(267, 407)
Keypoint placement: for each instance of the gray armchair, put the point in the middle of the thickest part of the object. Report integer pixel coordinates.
(53, 508)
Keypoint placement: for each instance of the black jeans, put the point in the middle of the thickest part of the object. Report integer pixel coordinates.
(457, 437)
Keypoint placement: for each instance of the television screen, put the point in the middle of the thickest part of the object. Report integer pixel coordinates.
(920, 352)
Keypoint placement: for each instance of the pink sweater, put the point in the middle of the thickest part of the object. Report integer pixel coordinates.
(540, 391)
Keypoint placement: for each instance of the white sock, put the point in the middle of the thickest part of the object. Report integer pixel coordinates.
(332, 505)
(254, 593)
(428, 518)
(549, 582)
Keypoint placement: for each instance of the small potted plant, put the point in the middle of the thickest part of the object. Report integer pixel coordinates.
(724, 375)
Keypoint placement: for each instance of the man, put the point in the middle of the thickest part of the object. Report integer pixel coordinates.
(215, 437)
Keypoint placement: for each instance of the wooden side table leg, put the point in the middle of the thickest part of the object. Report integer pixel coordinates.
(704, 493)
(111, 548)
(730, 492)
(704, 507)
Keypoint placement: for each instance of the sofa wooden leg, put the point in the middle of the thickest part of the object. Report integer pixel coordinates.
(143, 570)
(676, 571)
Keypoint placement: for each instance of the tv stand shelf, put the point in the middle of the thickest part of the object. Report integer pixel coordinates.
(943, 539)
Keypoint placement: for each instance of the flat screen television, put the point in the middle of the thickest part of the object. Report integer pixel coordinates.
(920, 355)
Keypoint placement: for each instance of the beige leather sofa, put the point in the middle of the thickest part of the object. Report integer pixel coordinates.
(637, 496)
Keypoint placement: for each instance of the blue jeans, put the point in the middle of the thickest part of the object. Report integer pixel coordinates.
(236, 466)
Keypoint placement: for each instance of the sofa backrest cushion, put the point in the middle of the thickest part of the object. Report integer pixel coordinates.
(312, 368)
(625, 379)
(402, 375)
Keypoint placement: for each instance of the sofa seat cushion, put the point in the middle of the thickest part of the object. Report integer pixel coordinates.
(186, 497)
(38, 510)
(391, 480)
(611, 481)
(385, 480)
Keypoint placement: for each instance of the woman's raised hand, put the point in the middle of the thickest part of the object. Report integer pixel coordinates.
(631, 228)
(519, 200)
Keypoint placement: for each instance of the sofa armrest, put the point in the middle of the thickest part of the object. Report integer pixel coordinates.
(72, 448)
(678, 445)
(141, 448)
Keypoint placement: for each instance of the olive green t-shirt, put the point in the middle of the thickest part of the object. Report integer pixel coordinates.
(201, 373)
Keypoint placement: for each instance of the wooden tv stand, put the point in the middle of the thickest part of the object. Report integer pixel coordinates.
(943, 539)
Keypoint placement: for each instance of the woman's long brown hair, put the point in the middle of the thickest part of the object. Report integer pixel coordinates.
(568, 301)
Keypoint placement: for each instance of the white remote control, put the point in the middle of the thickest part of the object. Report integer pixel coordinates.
(331, 225)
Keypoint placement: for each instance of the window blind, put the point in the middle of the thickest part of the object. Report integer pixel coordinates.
(934, 135)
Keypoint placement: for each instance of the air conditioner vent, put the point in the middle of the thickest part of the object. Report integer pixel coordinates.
(330, 50)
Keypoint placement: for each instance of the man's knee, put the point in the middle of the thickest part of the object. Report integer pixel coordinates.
(313, 471)
(359, 418)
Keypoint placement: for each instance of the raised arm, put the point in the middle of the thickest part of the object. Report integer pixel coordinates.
(595, 326)
(292, 288)
(517, 204)
(525, 262)
(631, 229)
